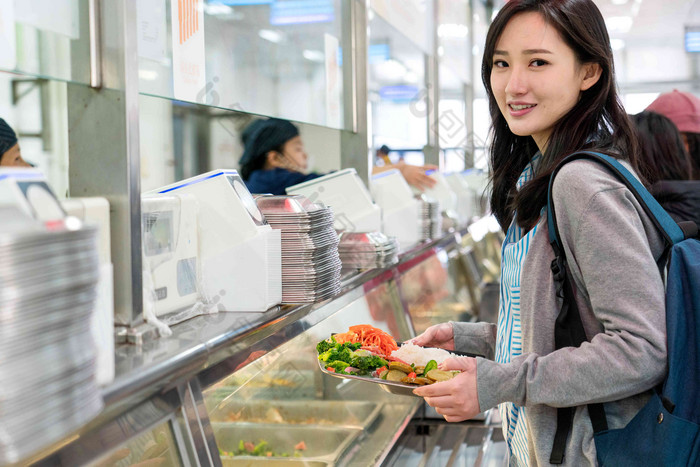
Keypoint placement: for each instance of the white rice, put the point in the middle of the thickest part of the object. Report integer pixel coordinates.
(420, 356)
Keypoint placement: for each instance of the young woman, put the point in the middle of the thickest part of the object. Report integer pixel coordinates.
(548, 72)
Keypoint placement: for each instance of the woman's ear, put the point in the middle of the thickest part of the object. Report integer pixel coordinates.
(592, 72)
(272, 159)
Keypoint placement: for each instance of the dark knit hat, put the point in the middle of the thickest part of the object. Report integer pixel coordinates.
(8, 138)
(261, 137)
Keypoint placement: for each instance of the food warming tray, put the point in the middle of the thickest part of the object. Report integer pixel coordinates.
(326, 445)
(347, 414)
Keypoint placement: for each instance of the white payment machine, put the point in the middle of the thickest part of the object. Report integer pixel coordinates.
(348, 197)
(239, 253)
(29, 190)
(400, 209)
(170, 244)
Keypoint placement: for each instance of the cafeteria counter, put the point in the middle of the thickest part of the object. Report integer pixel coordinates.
(229, 384)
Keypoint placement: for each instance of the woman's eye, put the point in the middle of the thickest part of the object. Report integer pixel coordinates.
(538, 62)
(500, 64)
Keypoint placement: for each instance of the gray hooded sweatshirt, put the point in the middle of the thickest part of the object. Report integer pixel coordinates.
(612, 249)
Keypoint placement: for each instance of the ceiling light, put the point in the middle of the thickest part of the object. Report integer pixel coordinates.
(617, 44)
(148, 75)
(621, 24)
(217, 9)
(619, 2)
(270, 35)
(314, 55)
(411, 77)
(441, 51)
(458, 31)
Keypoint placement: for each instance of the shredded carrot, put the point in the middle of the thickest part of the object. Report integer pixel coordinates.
(370, 337)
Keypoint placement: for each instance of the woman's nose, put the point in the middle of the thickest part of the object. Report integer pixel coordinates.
(517, 83)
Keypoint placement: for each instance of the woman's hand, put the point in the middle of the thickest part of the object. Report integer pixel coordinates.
(456, 399)
(415, 175)
(438, 335)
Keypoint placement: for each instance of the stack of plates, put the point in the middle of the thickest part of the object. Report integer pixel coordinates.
(310, 262)
(430, 218)
(366, 250)
(48, 287)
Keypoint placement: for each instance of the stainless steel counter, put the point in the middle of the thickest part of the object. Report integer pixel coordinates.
(162, 380)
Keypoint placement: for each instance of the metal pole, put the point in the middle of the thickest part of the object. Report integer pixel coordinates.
(354, 151)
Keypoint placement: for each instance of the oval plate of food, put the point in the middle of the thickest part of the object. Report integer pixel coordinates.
(392, 387)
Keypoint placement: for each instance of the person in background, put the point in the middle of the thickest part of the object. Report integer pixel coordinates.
(415, 175)
(666, 165)
(10, 154)
(274, 157)
(683, 109)
(549, 77)
(383, 155)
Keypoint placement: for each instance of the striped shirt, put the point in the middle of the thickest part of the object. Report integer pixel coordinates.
(509, 334)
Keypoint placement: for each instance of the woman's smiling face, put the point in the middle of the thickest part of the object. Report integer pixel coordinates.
(536, 77)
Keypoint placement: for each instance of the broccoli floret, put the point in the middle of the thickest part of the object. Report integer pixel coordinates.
(342, 352)
(325, 345)
(338, 366)
(368, 364)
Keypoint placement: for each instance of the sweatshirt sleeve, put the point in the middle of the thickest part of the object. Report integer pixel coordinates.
(610, 257)
(475, 338)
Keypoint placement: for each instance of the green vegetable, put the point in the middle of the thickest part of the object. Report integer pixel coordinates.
(341, 352)
(368, 364)
(325, 345)
(260, 449)
(431, 365)
(339, 366)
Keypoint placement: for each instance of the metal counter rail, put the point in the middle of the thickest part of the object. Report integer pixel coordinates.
(204, 349)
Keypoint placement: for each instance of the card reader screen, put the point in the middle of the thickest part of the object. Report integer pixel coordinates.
(158, 232)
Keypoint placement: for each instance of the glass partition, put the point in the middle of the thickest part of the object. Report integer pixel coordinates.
(36, 109)
(280, 58)
(398, 95)
(280, 409)
(46, 38)
(412, 18)
(436, 289)
(157, 446)
(180, 140)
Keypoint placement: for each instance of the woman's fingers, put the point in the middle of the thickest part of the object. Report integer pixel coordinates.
(457, 363)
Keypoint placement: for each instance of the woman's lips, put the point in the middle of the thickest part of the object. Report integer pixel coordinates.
(518, 110)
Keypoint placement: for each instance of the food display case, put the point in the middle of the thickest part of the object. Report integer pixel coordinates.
(245, 389)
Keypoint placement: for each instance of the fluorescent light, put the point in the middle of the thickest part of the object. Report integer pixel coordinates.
(441, 51)
(618, 2)
(457, 31)
(314, 55)
(148, 75)
(270, 35)
(617, 44)
(621, 24)
(217, 9)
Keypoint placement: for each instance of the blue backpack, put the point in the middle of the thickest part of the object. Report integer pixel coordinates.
(666, 431)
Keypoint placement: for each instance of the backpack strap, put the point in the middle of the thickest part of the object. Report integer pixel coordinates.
(568, 329)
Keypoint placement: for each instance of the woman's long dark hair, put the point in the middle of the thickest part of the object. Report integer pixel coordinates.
(662, 154)
(598, 119)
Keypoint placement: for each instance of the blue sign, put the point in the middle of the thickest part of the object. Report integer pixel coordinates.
(301, 11)
(399, 93)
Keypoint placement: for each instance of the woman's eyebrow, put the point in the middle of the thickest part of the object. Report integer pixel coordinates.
(524, 52)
